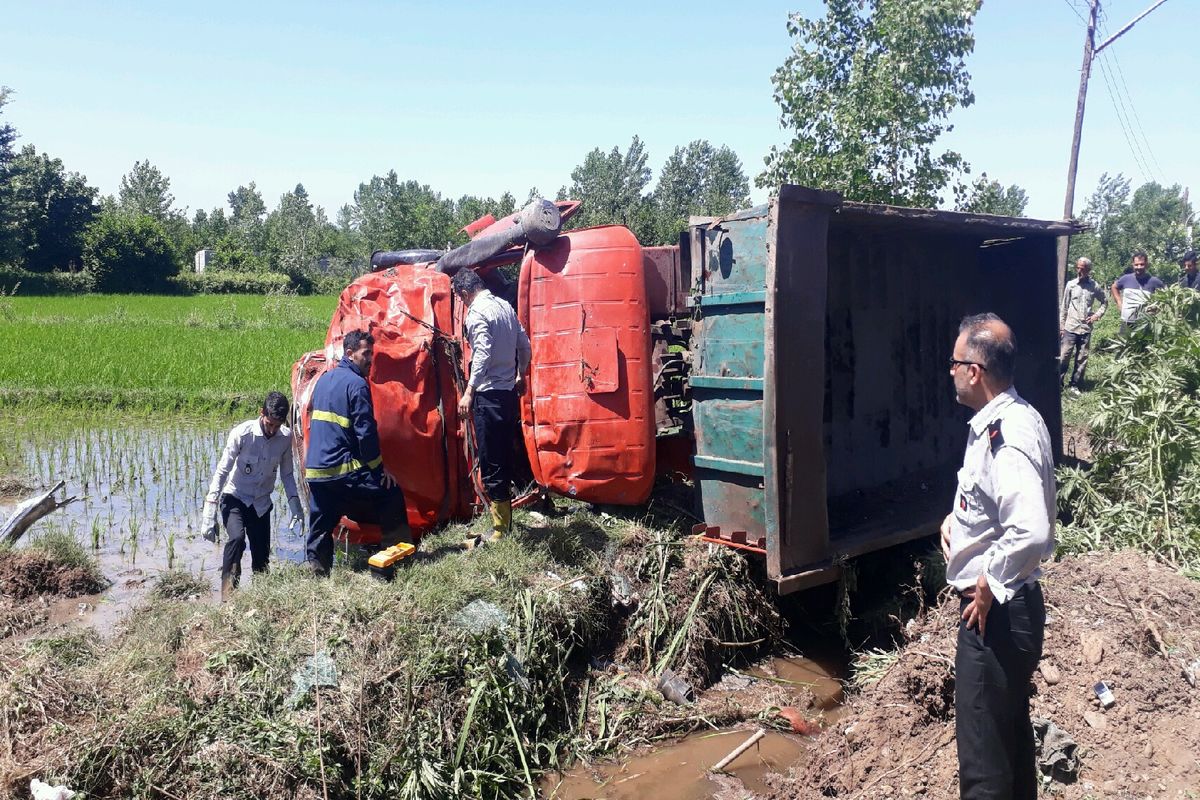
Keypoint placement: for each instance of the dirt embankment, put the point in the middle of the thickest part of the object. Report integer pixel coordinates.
(1117, 618)
(27, 575)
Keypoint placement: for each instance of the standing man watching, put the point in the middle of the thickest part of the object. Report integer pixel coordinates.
(500, 354)
(1075, 320)
(1133, 289)
(343, 464)
(994, 541)
(255, 452)
(1190, 277)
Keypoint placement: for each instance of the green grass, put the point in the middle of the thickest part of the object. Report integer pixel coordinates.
(204, 353)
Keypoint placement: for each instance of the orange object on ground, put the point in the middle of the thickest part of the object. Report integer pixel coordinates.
(588, 414)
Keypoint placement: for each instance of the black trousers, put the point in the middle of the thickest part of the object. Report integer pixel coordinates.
(991, 699)
(362, 498)
(495, 413)
(242, 524)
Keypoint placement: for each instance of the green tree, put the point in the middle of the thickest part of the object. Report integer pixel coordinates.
(697, 180)
(243, 247)
(991, 197)
(1153, 218)
(54, 208)
(867, 91)
(390, 214)
(146, 191)
(296, 233)
(9, 219)
(612, 187)
(129, 253)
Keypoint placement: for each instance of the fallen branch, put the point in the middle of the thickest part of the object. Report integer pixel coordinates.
(737, 751)
(30, 511)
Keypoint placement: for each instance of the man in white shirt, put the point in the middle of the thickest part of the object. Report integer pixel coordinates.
(256, 451)
(500, 354)
(994, 540)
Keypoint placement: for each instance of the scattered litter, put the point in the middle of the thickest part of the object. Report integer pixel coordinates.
(1104, 694)
(317, 670)
(799, 724)
(480, 616)
(1192, 671)
(1057, 751)
(623, 595)
(675, 688)
(44, 791)
(516, 671)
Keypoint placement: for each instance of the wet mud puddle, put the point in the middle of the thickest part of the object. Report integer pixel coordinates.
(680, 770)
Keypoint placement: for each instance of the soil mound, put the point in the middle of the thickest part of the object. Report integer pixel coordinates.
(29, 574)
(1119, 618)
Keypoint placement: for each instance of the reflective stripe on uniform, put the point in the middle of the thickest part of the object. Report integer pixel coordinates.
(329, 416)
(333, 472)
(374, 464)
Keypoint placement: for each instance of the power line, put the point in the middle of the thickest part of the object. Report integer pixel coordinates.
(1071, 5)
(1124, 87)
(1118, 106)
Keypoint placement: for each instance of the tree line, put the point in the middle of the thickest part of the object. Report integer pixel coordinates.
(865, 96)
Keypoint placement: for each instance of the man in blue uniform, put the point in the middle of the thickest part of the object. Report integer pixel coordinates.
(343, 464)
(1001, 529)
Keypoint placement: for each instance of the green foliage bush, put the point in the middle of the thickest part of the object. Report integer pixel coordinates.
(1143, 489)
(223, 282)
(128, 253)
(42, 283)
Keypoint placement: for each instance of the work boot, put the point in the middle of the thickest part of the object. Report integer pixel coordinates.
(501, 519)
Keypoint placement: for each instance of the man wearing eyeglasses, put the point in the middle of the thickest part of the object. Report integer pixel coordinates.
(994, 541)
(255, 452)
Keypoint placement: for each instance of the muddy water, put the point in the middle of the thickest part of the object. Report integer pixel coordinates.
(679, 770)
(142, 488)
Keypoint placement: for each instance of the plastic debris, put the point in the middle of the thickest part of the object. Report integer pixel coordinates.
(317, 670)
(480, 616)
(675, 688)
(1191, 672)
(516, 671)
(1057, 751)
(1104, 694)
(44, 791)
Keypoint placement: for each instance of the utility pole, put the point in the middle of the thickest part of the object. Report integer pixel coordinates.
(1085, 72)
(1090, 51)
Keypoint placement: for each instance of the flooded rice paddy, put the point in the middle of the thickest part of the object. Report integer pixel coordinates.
(141, 485)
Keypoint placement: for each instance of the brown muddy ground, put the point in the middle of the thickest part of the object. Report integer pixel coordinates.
(28, 574)
(1120, 618)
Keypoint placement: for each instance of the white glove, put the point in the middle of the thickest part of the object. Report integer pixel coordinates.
(296, 525)
(208, 521)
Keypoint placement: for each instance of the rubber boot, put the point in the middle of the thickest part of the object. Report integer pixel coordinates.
(501, 519)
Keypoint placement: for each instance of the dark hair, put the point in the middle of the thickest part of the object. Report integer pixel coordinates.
(1190, 255)
(354, 339)
(1141, 254)
(276, 405)
(998, 353)
(465, 282)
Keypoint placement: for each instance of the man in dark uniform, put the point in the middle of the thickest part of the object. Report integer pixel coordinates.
(994, 540)
(343, 464)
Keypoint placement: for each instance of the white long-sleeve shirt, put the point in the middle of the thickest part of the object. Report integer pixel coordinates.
(1004, 509)
(500, 349)
(249, 464)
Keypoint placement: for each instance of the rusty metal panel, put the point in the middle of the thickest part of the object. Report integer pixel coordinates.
(726, 382)
(666, 291)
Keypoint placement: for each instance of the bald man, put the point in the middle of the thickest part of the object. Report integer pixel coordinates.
(994, 540)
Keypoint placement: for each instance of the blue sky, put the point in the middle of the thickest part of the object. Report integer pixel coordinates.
(485, 97)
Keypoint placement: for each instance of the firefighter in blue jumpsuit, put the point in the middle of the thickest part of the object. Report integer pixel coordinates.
(343, 465)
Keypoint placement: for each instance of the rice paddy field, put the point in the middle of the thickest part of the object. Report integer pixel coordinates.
(204, 354)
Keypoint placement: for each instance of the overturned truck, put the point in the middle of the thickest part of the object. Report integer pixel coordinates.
(789, 361)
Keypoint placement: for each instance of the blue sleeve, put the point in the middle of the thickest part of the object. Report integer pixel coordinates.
(362, 419)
